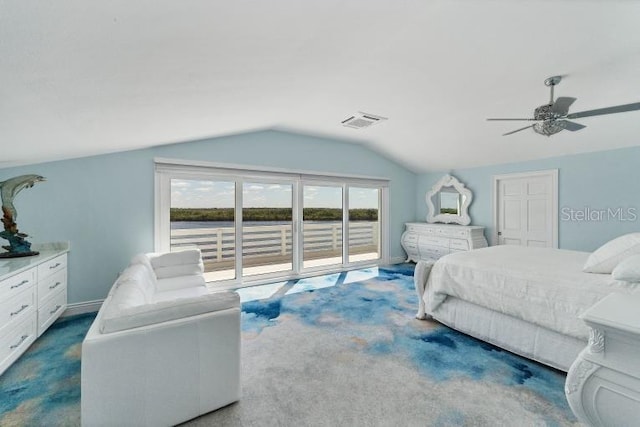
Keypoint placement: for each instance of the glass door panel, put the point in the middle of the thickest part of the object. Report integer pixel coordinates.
(321, 225)
(203, 216)
(364, 224)
(267, 228)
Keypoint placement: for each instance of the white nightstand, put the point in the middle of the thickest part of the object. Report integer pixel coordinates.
(603, 384)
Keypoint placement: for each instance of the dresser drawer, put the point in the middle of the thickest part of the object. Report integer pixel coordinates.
(410, 238)
(16, 340)
(432, 252)
(409, 246)
(51, 310)
(52, 266)
(434, 241)
(51, 285)
(16, 284)
(17, 308)
(460, 245)
(454, 232)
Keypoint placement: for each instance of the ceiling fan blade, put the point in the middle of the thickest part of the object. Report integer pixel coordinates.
(517, 130)
(608, 110)
(562, 104)
(572, 126)
(517, 120)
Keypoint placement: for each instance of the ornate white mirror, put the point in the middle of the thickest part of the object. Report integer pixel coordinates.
(448, 201)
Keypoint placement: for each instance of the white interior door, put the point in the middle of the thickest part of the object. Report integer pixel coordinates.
(526, 209)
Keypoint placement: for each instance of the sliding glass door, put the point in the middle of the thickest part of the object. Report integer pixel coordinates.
(267, 228)
(321, 225)
(253, 227)
(202, 215)
(364, 224)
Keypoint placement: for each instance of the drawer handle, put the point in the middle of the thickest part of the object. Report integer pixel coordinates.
(22, 339)
(21, 309)
(24, 282)
(55, 286)
(55, 309)
(51, 267)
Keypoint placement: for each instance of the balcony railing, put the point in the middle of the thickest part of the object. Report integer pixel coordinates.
(264, 244)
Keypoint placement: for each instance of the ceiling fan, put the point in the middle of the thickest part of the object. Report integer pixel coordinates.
(552, 118)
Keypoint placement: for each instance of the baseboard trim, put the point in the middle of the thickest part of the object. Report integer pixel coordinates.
(82, 307)
(397, 260)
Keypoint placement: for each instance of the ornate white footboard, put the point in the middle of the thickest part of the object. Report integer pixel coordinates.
(603, 384)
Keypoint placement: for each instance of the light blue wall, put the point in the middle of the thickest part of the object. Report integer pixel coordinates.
(601, 180)
(104, 205)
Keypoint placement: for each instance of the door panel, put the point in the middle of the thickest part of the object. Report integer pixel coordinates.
(364, 224)
(321, 225)
(525, 210)
(203, 216)
(267, 228)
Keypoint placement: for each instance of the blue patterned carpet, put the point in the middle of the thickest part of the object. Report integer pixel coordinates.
(355, 318)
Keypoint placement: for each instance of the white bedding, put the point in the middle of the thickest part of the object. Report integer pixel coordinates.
(539, 285)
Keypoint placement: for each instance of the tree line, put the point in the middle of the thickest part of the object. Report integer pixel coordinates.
(270, 214)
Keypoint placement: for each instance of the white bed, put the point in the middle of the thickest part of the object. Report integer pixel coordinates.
(524, 299)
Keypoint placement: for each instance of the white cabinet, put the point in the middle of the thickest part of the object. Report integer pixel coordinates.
(33, 294)
(603, 384)
(422, 241)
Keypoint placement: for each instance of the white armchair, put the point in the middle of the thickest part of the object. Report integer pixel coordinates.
(162, 349)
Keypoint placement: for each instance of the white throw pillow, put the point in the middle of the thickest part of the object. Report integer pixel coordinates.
(609, 255)
(628, 270)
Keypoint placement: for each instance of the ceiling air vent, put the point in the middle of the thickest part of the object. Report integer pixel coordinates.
(362, 120)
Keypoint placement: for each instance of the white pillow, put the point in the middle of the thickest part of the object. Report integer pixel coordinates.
(628, 270)
(609, 255)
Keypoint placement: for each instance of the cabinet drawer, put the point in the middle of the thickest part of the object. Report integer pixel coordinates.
(460, 245)
(410, 238)
(460, 233)
(51, 285)
(52, 266)
(51, 310)
(16, 284)
(17, 308)
(434, 241)
(16, 340)
(432, 252)
(410, 246)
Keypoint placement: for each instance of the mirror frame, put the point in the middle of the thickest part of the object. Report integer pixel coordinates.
(463, 218)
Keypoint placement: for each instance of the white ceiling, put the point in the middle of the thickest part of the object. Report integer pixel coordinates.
(85, 77)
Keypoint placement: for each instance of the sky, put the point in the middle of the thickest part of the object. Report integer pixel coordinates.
(220, 194)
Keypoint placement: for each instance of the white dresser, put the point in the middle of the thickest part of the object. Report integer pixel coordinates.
(603, 384)
(423, 241)
(33, 294)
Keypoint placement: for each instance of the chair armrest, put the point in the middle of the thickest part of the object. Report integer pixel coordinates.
(149, 314)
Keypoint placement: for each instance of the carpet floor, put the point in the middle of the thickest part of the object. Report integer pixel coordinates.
(334, 350)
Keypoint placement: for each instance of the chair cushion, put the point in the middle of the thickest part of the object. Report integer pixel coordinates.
(149, 314)
(179, 270)
(181, 282)
(189, 256)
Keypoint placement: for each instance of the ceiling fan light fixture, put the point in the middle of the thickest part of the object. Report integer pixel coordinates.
(548, 128)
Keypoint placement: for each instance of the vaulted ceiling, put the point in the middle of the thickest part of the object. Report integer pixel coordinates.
(80, 78)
